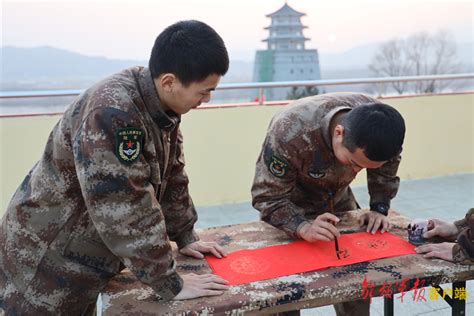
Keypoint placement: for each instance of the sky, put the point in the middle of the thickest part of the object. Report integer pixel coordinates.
(127, 29)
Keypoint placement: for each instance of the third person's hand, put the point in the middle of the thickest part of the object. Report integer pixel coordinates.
(438, 227)
(443, 250)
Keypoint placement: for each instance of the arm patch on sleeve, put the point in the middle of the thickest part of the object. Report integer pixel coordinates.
(128, 144)
(277, 166)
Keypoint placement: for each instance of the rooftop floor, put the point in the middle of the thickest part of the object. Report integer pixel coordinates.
(447, 197)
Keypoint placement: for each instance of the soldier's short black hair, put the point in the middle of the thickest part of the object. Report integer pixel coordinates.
(378, 129)
(191, 50)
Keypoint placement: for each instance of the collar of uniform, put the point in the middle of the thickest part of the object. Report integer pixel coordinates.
(166, 121)
(326, 123)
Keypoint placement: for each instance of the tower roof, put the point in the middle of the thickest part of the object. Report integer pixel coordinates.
(286, 10)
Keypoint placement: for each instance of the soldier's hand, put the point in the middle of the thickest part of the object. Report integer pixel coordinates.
(443, 250)
(322, 228)
(438, 227)
(201, 285)
(197, 249)
(375, 221)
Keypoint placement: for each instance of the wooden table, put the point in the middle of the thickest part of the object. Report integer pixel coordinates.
(125, 295)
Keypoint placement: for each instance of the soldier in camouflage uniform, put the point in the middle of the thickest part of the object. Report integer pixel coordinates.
(461, 236)
(110, 190)
(313, 150)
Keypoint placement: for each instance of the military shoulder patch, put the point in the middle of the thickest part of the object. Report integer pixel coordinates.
(128, 144)
(277, 166)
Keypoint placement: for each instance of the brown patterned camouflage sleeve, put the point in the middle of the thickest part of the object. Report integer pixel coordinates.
(121, 201)
(463, 251)
(464, 223)
(180, 213)
(275, 179)
(383, 182)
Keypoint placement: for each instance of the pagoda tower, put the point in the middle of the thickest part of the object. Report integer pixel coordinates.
(286, 57)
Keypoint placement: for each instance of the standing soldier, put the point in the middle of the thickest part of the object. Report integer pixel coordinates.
(110, 190)
(313, 150)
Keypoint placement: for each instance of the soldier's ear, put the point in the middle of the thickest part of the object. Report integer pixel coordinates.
(339, 130)
(166, 82)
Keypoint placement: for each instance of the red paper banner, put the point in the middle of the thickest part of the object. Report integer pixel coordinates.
(246, 266)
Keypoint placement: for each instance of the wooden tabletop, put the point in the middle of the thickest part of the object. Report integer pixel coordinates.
(125, 295)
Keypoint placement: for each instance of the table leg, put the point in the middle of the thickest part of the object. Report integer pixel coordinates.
(458, 306)
(388, 306)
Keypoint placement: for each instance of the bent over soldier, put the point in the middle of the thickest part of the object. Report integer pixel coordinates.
(313, 150)
(110, 190)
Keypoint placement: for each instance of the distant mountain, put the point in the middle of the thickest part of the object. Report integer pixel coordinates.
(354, 58)
(465, 52)
(53, 68)
(53, 63)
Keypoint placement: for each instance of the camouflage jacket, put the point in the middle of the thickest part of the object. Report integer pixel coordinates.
(297, 173)
(111, 180)
(463, 250)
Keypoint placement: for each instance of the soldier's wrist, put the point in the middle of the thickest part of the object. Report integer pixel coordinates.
(186, 238)
(302, 228)
(168, 286)
(381, 208)
(453, 231)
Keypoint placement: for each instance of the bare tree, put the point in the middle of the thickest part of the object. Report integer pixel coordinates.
(419, 54)
(391, 61)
